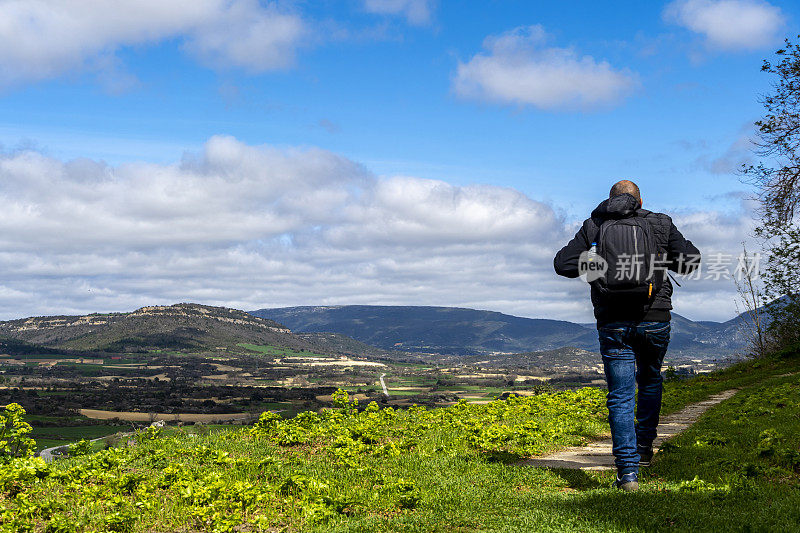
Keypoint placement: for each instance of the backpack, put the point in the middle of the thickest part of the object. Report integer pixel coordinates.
(628, 246)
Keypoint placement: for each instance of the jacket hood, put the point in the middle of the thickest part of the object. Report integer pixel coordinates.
(621, 206)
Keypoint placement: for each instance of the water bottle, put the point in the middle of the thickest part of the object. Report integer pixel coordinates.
(592, 255)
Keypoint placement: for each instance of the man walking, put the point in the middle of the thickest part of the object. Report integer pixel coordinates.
(624, 251)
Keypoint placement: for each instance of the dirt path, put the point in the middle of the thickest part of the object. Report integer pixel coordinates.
(597, 455)
(383, 384)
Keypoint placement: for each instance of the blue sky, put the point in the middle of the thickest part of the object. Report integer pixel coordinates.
(548, 103)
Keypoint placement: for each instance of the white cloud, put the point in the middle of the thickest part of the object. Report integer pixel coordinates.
(256, 226)
(41, 39)
(248, 35)
(722, 156)
(729, 24)
(740, 152)
(417, 12)
(719, 235)
(518, 68)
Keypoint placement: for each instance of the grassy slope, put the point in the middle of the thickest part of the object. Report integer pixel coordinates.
(679, 394)
(736, 469)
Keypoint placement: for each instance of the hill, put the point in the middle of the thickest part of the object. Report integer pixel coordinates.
(455, 331)
(181, 327)
(442, 330)
(443, 469)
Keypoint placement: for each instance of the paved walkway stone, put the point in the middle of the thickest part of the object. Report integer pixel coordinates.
(597, 455)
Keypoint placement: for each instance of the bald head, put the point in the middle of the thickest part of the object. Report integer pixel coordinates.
(626, 186)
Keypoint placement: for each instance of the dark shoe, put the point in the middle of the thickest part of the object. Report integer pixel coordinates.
(628, 482)
(645, 455)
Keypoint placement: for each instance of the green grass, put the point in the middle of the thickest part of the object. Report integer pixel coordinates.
(84, 366)
(133, 360)
(736, 469)
(679, 394)
(41, 356)
(477, 390)
(276, 350)
(441, 470)
(47, 437)
(196, 429)
(420, 366)
(51, 420)
(755, 435)
(412, 381)
(310, 471)
(286, 409)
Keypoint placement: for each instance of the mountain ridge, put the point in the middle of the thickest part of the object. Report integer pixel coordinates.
(183, 326)
(463, 331)
(387, 332)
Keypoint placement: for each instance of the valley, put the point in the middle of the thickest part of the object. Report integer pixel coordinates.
(194, 365)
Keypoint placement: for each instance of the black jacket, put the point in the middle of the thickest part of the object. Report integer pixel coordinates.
(682, 257)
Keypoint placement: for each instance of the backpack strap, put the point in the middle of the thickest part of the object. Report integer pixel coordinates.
(596, 234)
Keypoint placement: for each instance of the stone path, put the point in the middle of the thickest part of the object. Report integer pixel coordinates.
(597, 455)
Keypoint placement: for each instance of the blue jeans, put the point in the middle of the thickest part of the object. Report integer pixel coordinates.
(633, 354)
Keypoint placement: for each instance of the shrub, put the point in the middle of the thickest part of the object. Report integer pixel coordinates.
(82, 447)
(14, 431)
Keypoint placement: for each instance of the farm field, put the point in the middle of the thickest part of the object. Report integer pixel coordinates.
(185, 387)
(133, 416)
(47, 437)
(276, 351)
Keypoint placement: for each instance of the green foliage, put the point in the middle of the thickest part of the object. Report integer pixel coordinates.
(671, 375)
(341, 400)
(148, 433)
(711, 439)
(778, 178)
(781, 280)
(769, 441)
(52, 436)
(267, 349)
(312, 470)
(519, 426)
(753, 436)
(20, 472)
(777, 183)
(678, 394)
(82, 447)
(356, 468)
(14, 431)
(698, 485)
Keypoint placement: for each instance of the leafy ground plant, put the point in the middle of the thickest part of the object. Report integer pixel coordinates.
(440, 470)
(312, 470)
(14, 434)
